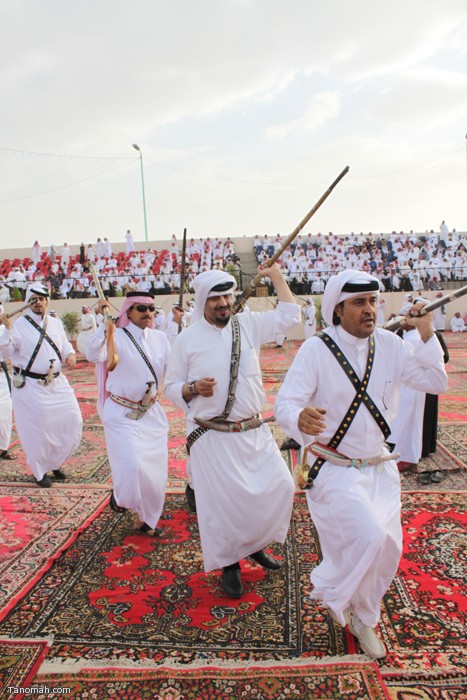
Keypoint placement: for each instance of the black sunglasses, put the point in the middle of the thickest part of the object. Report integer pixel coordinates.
(144, 307)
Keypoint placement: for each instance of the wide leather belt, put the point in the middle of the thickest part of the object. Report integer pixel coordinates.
(225, 426)
(33, 375)
(335, 457)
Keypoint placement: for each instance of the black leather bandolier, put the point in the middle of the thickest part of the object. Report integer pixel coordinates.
(143, 355)
(234, 365)
(361, 397)
(42, 336)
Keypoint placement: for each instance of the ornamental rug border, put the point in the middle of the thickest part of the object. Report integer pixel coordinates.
(435, 684)
(350, 680)
(37, 525)
(117, 597)
(452, 438)
(20, 660)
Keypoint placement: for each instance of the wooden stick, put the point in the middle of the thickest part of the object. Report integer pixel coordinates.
(18, 311)
(241, 299)
(112, 357)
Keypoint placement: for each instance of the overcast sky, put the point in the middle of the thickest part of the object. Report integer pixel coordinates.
(245, 111)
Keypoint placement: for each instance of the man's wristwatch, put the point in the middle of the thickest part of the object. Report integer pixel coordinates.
(192, 388)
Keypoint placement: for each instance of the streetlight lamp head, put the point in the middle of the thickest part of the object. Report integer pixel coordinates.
(136, 147)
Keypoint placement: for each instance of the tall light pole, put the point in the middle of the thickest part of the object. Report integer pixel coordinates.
(137, 148)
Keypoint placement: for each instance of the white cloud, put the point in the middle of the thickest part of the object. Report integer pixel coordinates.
(420, 99)
(321, 108)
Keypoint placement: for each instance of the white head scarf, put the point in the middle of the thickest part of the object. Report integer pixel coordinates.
(203, 284)
(334, 294)
(37, 289)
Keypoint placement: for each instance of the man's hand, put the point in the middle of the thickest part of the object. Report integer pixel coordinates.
(270, 272)
(178, 315)
(101, 305)
(280, 285)
(311, 422)
(5, 321)
(70, 362)
(205, 386)
(424, 324)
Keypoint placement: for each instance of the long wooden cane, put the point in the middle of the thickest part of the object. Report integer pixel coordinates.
(112, 357)
(246, 294)
(18, 311)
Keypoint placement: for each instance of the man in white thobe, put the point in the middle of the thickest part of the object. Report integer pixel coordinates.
(47, 415)
(88, 326)
(310, 318)
(439, 315)
(356, 511)
(407, 427)
(66, 254)
(135, 424)
(6, 410)
(457, 323)
(244, 491)
(129, 243)
(36, 252)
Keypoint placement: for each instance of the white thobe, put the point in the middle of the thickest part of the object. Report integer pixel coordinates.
(439, 318)
(88, 327)
(171, 328)
(244, 491)
(137, 449)
(36, 253)
(380, 314)
(356, 511)
(407, 427)
(65, 256)
(129, 246)
(310, 321)
(48, 418)
(6, 414)
(457, 325)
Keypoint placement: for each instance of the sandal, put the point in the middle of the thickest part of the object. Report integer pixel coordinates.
(425, 478)
(437, 476)
(148, 530)
(114, 505)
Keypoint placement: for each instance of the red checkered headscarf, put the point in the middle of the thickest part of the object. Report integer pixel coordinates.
(131, 299)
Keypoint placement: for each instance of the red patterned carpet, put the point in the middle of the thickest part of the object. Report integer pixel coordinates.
(36, 527)
(119, 613)
(122, 600)
(20, 660)
(353, 681)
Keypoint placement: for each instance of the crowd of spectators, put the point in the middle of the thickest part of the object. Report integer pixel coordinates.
(69, 276)
(400, 261)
